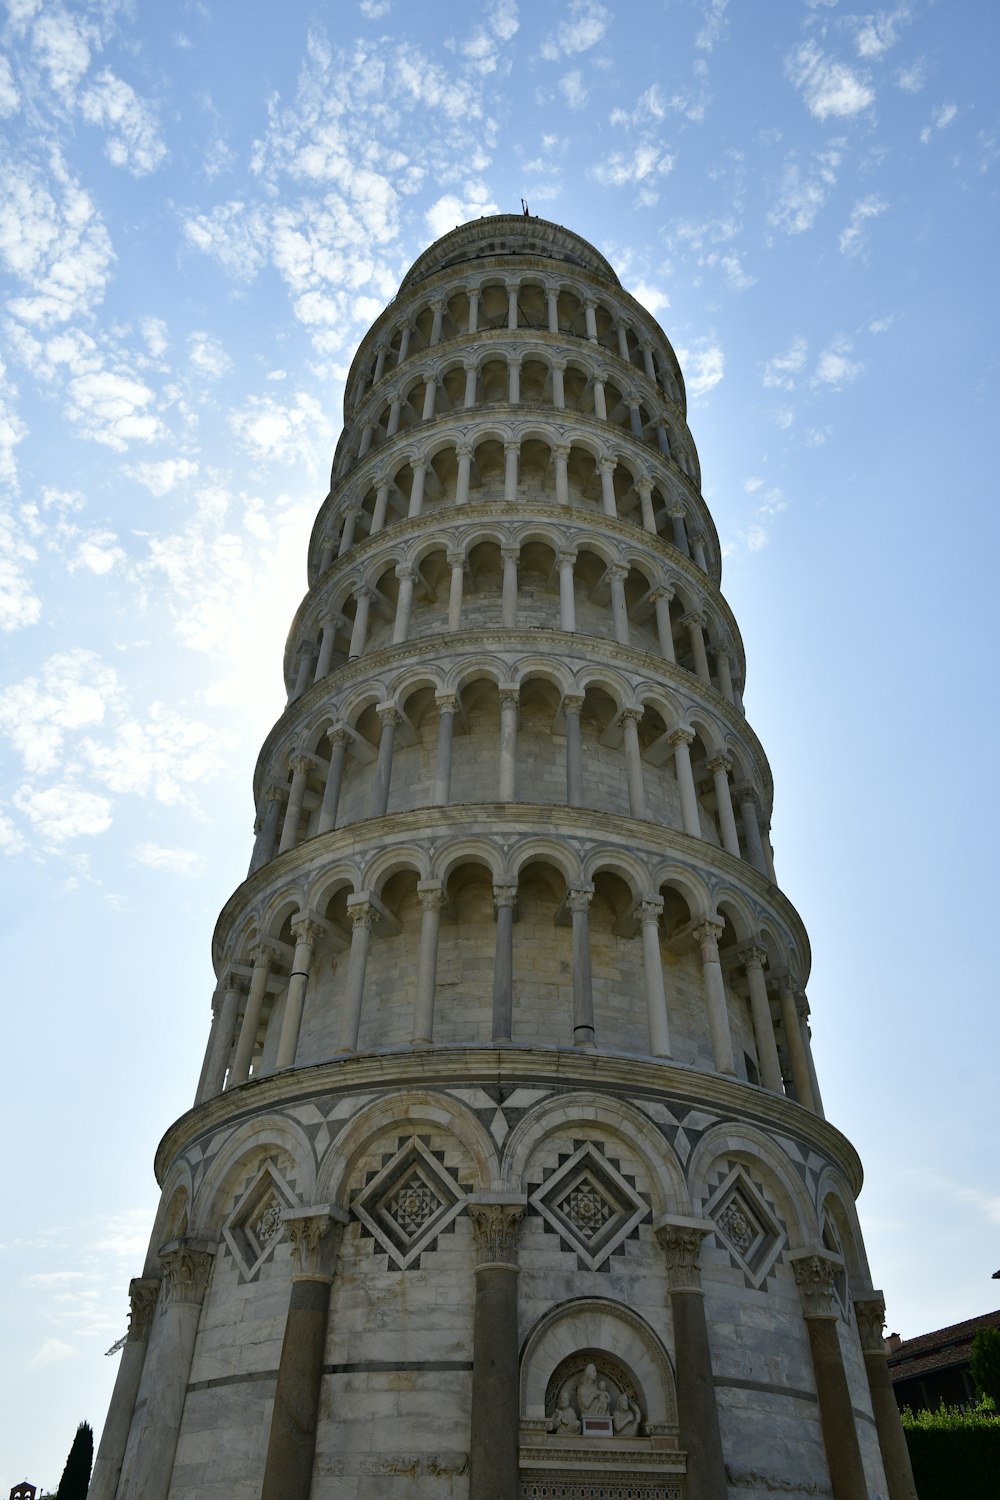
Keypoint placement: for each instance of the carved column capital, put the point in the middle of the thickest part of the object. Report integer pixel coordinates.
(262, 954)
(566, 558)
(388, 714)
(275, 792)
(561, 450)
(681, 1241)
(186, 1266)
(307, 930)
(314, 1236)
(607, 465)
(447, 703)
(572, 703)
(617, 570)
(406, 572)
(303, 764)
(143, 1295)
(815, 1275)
(579, 898)
(719, 763)
(662, 591)
(677, 511)
(870, 1312)
(509, 698)
(431, 899)
(693, 619)
(644, 485)
(681, 737)
(362, 914)
(753, 956)
(650, 912)
(338, 734)
(496, 1227)
(630, 716)
(504, 895)
(707, 931)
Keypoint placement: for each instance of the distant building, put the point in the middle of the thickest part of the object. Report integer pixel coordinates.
(934, 1367)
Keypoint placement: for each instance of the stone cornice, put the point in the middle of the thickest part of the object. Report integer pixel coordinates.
(512, 1065)
(491, 819)
(566, 644)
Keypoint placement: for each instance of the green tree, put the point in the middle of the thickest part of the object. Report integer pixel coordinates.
(985, 1363)
(76, 1476)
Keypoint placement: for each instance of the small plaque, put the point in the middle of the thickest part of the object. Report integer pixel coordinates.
(598, 1427)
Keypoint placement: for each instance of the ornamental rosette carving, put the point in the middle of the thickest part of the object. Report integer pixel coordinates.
(682, 1246)
(144, 1293)
(186, 1272)
(816, 1277)
(871, 1322)
(496, 1227)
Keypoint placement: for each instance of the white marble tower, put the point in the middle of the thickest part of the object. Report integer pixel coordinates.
(508, 1174)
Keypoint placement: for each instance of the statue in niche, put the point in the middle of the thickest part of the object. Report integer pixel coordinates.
(625, 1417)
(588, 1394)
(564, 1421)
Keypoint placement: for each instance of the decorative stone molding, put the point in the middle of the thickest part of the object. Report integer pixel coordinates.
(681, 1241)
(143, 1293)
(186, 1265)
(496, 1226)
(816, 1277)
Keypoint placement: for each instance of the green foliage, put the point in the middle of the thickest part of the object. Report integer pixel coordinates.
(76, 1476)
(985, 1363)
(954, 1451)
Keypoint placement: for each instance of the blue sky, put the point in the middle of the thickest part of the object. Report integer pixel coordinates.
(203, 205)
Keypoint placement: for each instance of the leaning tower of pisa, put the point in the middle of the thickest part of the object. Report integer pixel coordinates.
(508, 1174)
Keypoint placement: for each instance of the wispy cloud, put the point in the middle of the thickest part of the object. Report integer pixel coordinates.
(853, 236)
(781, 370)
(835, 366)
(941, 118)
(803, 193)
(704, 367)
(830, 89)
(585, 24)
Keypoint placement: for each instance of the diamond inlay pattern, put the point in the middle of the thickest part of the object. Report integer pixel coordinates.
(748, 1227)
(408, 1203)
(590, 1204)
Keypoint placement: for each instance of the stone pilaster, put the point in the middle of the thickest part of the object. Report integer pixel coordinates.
(493, 1449)
(815, 1275)
(697, 1410)
(870, 1310)
(144, 1292)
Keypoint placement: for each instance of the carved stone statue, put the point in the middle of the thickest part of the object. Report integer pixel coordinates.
(564, 1421)
(587, 1393)
(625, 1417)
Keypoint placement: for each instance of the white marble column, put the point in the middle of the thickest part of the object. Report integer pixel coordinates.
(430, 397)
(431, 897)
(363, 917)
(677, 514)
(381, 508)
(630, 719)
(338, 738)
(720, 767)
(560, 455)
(301, 766)
(306, 934)
(389, 717)
(723, 672)
(144, 1293)
(508, 743)
(513, 287)
(656, 999)
(226, 1003)
(395, 408)
(473, 294)
(325, 555)
(590, 319)
(471, 369)
(456, 562)
(647, 359)
(754, 958)
(513, 381)
(464, 456)
(350, 524)
(416, 504)
(437, 310)
(304, 670)
(660, 598)
(645, 492)
(152, 1441)
(559, 384)
(266, 845)
(578, 901)
(504, 901)
(695, 622)
(681, 741)
(379, 371)
(567, 598)
(747, 799)
(793, 1042)
(447, 704)
(359, 631)
(404, 343)
(331, 623)
(572, 705)
(261, 956)
(600, 396)
(609, 504)
(404, 603)
(616, 576)
(706, 935)
(621, 329)
(511, 456)
(508, 597)
(698, 548)
(552, 297)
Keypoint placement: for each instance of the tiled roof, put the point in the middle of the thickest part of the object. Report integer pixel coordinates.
(939, 1350)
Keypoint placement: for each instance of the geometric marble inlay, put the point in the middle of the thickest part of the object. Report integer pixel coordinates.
(589, 1205)
(751, 1233)
(408, 1203)
(254, 1226)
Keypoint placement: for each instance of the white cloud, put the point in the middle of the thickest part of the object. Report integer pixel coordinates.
(374, 9)
(293, 431)
(109, 407)
(585, 26)
(171, 860)
(52, 241)
(504, 19)
(713, 25)
(852, 238)
(65, 811)
(160, 756)
(132, 137)
(234, 235)
(10, 99)
(646, 164)
(12, 841)
(704, 368)
(62, 46)
(651, 297)
(573, 90)
(941, 118)
(835, 366)
(72, 692)
(876, 34)
(154, 331)
(829, 88)
(780, 371)
(52, 1352)
(912, 78)
(736, 276)
(98, 552)
(802, 195)
(164, 475)
(208, 356)
(450, 211)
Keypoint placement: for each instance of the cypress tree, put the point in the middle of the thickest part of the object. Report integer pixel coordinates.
(76, 1475)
